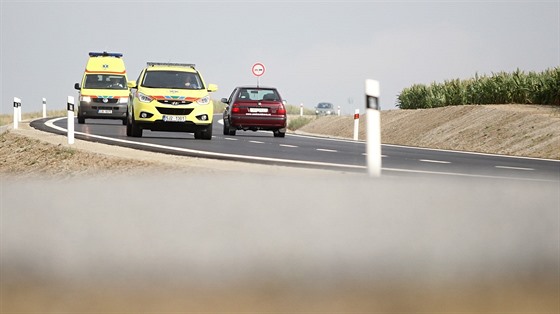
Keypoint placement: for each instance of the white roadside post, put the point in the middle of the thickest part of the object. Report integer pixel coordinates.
(338, 111)
(373, 121)
(356, 123)
(70, 123)
(19, 110)
(17, 104)
(301, 110)
(44, 107)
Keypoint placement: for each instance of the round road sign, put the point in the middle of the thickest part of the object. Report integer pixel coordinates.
(258, 69)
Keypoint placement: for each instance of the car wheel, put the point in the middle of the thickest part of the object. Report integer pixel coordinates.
(204, 133)
(81, 119)
(278, 133)
(132, 129)
(124, 121)
(226, 127)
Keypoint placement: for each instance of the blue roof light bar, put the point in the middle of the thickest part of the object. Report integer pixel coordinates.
(106, 54)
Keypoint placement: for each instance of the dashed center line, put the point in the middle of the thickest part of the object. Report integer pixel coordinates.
(230, 139)
(383, 156)
(286, 145)
(256, 142)
(515, 168)
(435, 161)
(327, 150)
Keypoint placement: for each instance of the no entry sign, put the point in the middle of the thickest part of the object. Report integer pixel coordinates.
(258, 69)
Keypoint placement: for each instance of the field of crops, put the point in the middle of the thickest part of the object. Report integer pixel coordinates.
(499, 88)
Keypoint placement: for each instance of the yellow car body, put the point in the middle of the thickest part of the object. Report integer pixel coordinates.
(103, 91)
(170, 97)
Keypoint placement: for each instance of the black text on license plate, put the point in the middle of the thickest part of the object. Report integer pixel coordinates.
(174, 118)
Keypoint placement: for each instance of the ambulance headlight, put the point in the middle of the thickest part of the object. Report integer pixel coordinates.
(85, 98)
(123, 100)
(143, 97)
(204, 100)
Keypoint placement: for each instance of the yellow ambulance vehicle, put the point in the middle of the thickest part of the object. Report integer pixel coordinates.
(103, 91)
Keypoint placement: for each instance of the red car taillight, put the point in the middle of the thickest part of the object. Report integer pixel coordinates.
(281, 110)
(235, 108)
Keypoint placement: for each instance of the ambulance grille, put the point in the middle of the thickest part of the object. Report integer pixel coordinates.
(109, 100)
(175, 111)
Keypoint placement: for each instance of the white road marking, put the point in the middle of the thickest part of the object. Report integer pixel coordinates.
(291, 146)
(50, 124)
(515, 168)
(383, 156)
(435, 161)
(230, 139)
(256, 142)
(327, 150)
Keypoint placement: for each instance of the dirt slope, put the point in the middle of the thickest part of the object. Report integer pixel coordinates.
(518, 130)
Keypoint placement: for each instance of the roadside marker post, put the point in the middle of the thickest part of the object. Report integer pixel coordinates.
(44, 107)
(301, 110)
(70, 107)
(356, 123)
(373, 126)
(17, 106)
(19, 111)
(338, 111)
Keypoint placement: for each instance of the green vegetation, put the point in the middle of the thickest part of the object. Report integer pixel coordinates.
(219, 106)
(297, 122)
(500, 88)
(292, 109)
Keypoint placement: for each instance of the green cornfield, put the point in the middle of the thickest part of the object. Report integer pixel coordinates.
(541, 88)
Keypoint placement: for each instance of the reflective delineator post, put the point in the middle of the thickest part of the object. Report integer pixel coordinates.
(356, 123)
(338, 111)
(373, 126)
(44, 107)
(70, 123)
(19, 111)
(301, 110)
(17, 105)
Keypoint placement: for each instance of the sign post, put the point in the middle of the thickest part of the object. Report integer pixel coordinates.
(17, 109)
(373, 120)
(70, 107)
(258, 70)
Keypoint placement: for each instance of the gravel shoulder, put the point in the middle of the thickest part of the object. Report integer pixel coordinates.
(518, 130)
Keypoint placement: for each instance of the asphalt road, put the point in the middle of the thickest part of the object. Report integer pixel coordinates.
(312, 152)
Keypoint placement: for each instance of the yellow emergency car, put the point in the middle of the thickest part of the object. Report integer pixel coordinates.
(103, 90)
(170, 97)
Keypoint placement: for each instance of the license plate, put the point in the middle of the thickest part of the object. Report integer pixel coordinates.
(104, 111)
(174, 118)
(259, 110)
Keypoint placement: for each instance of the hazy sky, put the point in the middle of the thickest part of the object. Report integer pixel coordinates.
(313, 50)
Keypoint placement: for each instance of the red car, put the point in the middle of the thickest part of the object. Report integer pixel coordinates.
(255, 108)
